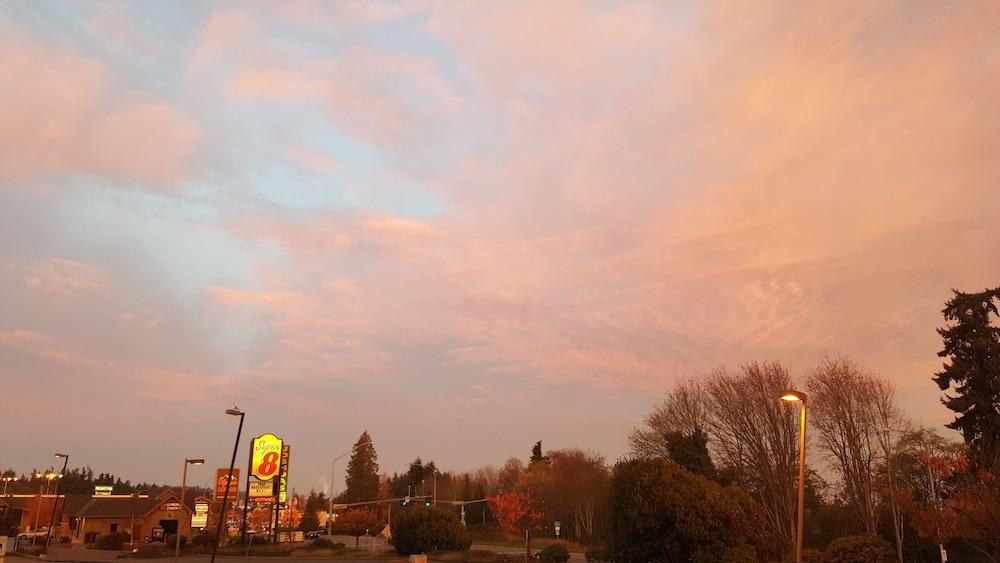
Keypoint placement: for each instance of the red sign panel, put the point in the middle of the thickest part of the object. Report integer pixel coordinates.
(221, 476)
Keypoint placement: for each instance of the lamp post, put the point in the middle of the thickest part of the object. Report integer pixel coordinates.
(796, 396)
(333, 473)
(52, 518)
(187, 462)
(234, 411)
(38, 509)
(7, 480)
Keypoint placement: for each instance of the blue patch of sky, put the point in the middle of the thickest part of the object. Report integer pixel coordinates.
(361, 179)
(152, 240)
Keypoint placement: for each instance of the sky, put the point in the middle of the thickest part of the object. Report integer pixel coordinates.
(469, 226)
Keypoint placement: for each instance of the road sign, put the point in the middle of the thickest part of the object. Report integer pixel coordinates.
(220, 483)
(266, 459)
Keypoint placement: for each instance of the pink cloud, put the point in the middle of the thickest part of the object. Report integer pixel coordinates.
(61, 116)
(61, 276)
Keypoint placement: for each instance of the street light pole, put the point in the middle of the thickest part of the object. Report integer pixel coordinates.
(229, 478)
(52, 519)
(38, 508)
(177, 546)
(796, 396)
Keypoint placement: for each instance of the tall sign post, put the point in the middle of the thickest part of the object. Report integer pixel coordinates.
(265, 462)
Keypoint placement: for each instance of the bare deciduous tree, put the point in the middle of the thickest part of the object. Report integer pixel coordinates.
(756, 433)
(852, 411)
(684, 410)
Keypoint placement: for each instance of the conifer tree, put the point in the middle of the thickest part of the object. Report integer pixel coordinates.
(362, 471)
(972, 343)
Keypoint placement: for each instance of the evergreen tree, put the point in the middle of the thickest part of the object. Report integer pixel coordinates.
(691, 452)
(314, 502)
(536, 454)
(415, 476)
(362, 471)
(973, 345)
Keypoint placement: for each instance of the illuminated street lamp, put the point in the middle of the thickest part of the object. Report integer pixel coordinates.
(7, 480)
(184, 480)
(234, 411)
(38, 509)
(55, 503)
(797, 396)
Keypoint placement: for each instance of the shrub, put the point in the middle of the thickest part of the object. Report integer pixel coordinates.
(171, 540)
(424, 529)
(811, 555)
(555, 553)
(202, 539)
(325, 543)
(599, 554)
(114, 540)
(658, 508)
(851, 549)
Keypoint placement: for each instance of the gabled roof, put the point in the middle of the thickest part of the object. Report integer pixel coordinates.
(120, 507)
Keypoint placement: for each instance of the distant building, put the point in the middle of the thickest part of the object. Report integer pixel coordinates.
(25, 512)
(145, 518)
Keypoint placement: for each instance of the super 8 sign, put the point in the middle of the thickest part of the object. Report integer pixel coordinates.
(265, 457)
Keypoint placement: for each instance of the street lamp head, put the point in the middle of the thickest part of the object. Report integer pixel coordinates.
(63, 455)
(235, 411)
(195, 461)
(793, 396)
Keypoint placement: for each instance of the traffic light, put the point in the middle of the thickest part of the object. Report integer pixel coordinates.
(405, 501)
(427, 501)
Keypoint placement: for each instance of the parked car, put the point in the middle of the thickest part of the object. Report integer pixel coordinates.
(313, 535)
(36, 533)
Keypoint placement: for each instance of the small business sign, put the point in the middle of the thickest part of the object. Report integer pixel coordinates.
(265, 460)
(558, 526)
(103, 490)
(200, 517)
(170, 506)
(260, 489)
(221, 476)
(156, 534)
(283, 476)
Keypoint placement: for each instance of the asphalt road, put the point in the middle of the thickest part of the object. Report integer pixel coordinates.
(98, 555)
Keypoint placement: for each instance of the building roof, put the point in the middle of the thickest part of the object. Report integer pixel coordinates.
(124, 506)
(69, 504)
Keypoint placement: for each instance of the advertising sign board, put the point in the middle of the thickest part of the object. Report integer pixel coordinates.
(103, 490)
(200, 517)
(260, 489)
(220, 483)
(265, 457)
(283, 476)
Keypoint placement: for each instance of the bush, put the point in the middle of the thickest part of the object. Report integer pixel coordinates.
(852, 549)
(424, 529)
(114, 540)
(599, 554)
(325, 543)
(171, 540)
(202, 539)
(811, 555)
(658, 508)
(555, 553)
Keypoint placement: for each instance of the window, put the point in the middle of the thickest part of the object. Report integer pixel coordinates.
(114, 527)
